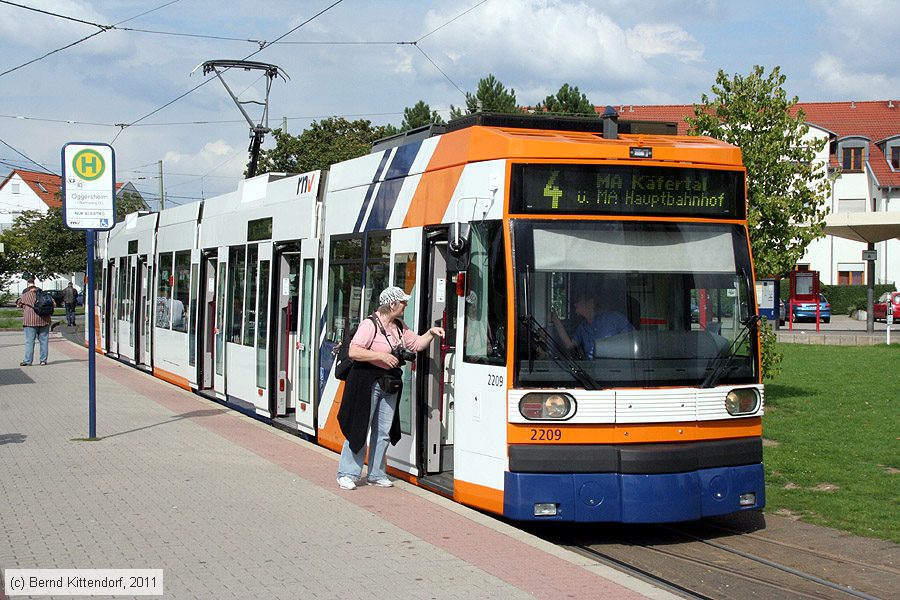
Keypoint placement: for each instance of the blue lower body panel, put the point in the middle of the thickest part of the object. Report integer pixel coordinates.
(626, 498)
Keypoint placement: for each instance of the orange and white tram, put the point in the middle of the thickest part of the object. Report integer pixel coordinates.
(499, 229)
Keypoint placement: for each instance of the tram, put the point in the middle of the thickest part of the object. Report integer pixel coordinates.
(519, 236)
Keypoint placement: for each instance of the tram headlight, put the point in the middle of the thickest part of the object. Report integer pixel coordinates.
(742, 401)
(554, 406)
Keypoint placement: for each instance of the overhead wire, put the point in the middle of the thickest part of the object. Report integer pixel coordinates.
(205, 81)
(26, 157)
(102, 29)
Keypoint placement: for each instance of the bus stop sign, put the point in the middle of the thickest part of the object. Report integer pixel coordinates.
(89, 186)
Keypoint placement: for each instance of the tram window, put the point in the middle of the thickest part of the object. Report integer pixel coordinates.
(262, 316)
(163, 290)
(260, 229)
(485, 337)
(192, 335)
(182, 293)
(237, 267)
(377, 261)
(344, 287)
(250, 303)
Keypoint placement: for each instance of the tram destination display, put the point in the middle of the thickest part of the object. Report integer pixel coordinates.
(626, 190)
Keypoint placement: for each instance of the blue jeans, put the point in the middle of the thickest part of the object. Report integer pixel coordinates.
(43, 335)
(381, 415)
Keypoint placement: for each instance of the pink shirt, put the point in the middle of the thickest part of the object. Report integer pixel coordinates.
(369, 337)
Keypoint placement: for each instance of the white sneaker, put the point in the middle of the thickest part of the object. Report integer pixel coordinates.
(346, 483)
(381, 482)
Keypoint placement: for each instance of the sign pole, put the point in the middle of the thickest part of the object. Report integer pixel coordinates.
(92, 355)
(89, 204)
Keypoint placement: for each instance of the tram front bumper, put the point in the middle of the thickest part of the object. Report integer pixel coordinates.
(633, 498)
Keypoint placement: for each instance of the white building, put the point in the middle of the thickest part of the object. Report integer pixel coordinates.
(863, 156)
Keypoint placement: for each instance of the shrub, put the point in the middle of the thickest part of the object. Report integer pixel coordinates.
(771, 357)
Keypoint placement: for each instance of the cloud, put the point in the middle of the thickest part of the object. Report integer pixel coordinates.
(837, 77)
(661, 39)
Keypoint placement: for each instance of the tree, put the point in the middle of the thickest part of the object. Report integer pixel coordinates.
(325, 142)
(41, 244)
(127, 203)
(787, 189)
(419, 116)
(567, 101)
(491, 96)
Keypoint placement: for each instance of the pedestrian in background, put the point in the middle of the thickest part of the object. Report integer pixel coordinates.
(70, 299)
(35, 325)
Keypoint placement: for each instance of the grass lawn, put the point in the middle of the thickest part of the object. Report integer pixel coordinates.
(11, 318)
(832, 438)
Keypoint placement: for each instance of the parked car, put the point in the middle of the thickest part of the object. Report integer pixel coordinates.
(57, 296)
(804, 311)
(880, 308)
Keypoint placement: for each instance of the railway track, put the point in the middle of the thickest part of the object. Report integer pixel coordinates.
(727, 559)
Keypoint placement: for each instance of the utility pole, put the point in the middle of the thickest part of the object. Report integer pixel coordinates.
(162, 199)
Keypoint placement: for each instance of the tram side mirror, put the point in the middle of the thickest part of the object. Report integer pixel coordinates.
(458, 257)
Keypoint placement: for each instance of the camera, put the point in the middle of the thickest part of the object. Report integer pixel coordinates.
(403, 355)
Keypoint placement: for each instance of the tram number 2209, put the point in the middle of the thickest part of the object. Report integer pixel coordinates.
(546, 435)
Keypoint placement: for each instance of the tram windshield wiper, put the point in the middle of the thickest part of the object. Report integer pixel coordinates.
(556, 352)
(721, 363)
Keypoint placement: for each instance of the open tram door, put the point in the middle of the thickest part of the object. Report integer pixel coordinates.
(440, 302)
(206, 319)
(287, 295)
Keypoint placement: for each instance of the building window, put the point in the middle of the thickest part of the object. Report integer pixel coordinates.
(15, 188)
(852, 159)
(850, 278)
(895, 156)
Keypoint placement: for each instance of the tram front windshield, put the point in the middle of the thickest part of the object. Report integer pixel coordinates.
(605, 303)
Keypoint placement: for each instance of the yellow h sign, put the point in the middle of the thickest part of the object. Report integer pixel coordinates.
(88, 164)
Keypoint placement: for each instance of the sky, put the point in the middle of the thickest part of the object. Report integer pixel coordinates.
(135, 86)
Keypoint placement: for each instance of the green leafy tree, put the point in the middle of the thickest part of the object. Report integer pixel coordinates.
(490, 96)
(127, 203)
(324, 143)
(567, 101)
(41, 244)
(787, 188)
(419, 116)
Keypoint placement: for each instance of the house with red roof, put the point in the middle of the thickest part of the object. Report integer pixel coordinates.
(23, 190)
(862, 154)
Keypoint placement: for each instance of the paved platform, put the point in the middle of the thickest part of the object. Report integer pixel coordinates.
(231, 508)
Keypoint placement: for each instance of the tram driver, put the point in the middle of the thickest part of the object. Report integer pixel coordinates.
(597, 322)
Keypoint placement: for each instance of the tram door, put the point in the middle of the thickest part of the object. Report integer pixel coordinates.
(110, 318)
(142, 310)
(288, 294)
(438, 404)
(126, 309)
(219, 379)
(206, 320)
(307, 334)
(406, 247)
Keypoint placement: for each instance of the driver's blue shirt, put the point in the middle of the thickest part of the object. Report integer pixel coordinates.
(604, 325)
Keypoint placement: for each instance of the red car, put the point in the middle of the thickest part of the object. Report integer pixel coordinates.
(880, 308)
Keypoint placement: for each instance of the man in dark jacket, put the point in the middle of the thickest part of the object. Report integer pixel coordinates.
(70, 299)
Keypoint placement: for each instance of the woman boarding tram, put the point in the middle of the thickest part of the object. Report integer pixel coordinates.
(493, 229)
(381, 345)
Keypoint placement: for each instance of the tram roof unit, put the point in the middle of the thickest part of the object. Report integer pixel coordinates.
(490, 136)
(289, 200)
